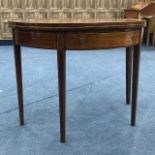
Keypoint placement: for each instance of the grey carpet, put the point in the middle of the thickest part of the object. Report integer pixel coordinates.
(98, 120)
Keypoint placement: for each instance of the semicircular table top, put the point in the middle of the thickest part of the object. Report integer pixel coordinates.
(72, 23)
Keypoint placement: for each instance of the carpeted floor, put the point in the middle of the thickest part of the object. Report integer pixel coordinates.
(98, 120)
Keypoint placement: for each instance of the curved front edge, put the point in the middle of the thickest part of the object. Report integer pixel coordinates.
(37, 39)
(98, 40)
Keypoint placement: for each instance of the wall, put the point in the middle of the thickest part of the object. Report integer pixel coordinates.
(39, 9)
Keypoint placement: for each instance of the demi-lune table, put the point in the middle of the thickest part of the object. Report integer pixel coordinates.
(80, 34)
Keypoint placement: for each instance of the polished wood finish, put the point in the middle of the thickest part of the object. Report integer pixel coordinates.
(61, 59)
(76, 24)
(145, 11)
(95, 40)
(35, 39)
(140, 9)
(82, 35)
(136, 63)
(129, 63)
(153, 38)
(17, 54)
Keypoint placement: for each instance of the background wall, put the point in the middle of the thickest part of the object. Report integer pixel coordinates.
(39, 9)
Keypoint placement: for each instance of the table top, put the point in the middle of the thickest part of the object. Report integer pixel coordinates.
(62, 24)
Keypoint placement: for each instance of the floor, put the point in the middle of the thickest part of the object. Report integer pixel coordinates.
(98, 120)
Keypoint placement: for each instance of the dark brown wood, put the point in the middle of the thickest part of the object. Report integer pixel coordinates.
(61, 57)
(129, 55)
(142, 10)
(153, 38)
(74, 25)
(100, 40)
(35, 39)
(150, 10)
(74, 34)
(135, 78)
(139, 9)
(17, 54)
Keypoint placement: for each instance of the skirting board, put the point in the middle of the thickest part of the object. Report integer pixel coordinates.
(6, 42)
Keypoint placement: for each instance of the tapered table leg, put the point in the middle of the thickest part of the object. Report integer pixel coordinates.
(129, 61)
(17, 54)
(61, 59)
(135, 78)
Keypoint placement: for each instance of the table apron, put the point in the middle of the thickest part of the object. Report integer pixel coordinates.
(77, 40)
(35, 39)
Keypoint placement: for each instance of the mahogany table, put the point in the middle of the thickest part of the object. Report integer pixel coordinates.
(79, 35)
